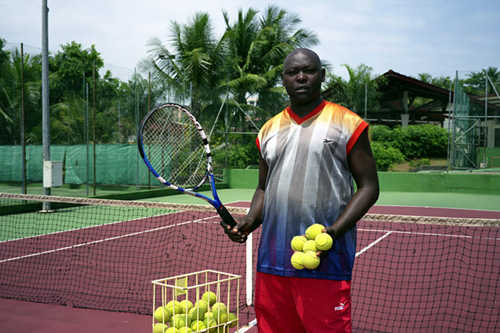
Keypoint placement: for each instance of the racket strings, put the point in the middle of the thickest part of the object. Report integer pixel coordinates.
(175, 148)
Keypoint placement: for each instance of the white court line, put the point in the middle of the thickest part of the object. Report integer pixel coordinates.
(250, 325)
(104, 240)
(87, 227)
(430, 234)
(373, 243)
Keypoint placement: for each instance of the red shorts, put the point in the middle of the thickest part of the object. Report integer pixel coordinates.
(289, 304)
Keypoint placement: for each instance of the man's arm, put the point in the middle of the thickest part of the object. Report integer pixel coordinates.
(254, 217)
(364, 171)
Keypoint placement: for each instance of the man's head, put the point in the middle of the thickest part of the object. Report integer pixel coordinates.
(302, 77)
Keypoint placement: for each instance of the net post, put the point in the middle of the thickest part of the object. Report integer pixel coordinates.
(249, 269)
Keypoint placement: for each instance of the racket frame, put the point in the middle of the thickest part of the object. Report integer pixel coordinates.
(215, 202)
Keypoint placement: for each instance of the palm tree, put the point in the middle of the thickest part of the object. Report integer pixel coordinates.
(11, 95)
(476, 82)
(191, 66)
(257, 48)
(360, 78)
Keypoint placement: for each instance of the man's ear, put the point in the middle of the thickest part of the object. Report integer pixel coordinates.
(323, 74)
(282, 83)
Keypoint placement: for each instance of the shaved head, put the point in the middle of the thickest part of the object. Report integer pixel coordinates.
(302, 77)
(309, 53)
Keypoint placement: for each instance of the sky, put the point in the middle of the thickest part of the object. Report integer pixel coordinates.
(437, 37)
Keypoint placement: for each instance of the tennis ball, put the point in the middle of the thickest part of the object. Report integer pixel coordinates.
(179, 321)
(174, 307)
(185, 330)
(297, 260)
(310, 245)
(220, 316)
(219, 306)
(323, 241)
(172, 330)
(210, 323)
(202, 304)
(298, 242)
(159, 328)
(310, 260)
(196, 314)
(209, 297)
(198, 325)
(186, 305)
(162, 314)
(314, 230)
(232, 319)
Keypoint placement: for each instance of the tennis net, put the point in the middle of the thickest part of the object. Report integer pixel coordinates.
(412, 273)
(103, 254)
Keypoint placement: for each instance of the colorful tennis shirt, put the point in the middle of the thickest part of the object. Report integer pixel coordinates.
(308, 182)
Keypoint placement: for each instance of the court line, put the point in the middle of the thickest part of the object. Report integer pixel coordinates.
(430, 234)
(104, 240)
(87, 227)
(246, 328)
(366, 248)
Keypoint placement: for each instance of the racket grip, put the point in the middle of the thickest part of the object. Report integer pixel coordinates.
(226, 216)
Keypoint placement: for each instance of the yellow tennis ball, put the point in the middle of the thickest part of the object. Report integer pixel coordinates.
(172, 330)
(179, 321)
(314, 230)
(232, 320)
(196, 314)
(159, 328)
(186, 305)
(202, 304)
(310, 245)
(220, 316)
(185, 330)
(209, 297)
(162, 314)
(323, 241)
(198, 325)
(298, 242)
(296, 260)
(210, 323)
(310, 260)
(219, 306)
(174, 307)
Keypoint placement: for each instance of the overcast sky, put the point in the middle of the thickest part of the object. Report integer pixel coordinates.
(438, 37)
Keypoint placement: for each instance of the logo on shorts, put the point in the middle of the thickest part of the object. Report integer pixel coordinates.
(340, 307)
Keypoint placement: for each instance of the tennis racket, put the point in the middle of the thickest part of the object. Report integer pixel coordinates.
(175, 149)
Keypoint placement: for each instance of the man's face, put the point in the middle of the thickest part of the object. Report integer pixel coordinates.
(302, 77)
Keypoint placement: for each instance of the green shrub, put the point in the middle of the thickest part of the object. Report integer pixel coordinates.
(386, 155)
(239, 156)
(420, 162)
(421, 141)
(414, 141)
(381, 133)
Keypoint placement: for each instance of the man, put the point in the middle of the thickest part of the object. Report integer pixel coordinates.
(309, 156)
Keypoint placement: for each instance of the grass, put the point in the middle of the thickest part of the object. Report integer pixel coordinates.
(405, 166)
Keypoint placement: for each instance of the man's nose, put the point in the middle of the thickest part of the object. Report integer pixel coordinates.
(301, 77)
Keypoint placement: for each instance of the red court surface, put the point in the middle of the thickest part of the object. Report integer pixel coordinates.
(412, 251)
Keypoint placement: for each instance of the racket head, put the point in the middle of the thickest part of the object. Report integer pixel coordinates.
(174, 146)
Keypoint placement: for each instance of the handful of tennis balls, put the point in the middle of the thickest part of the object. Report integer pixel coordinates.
(306, 247)
(205, 315)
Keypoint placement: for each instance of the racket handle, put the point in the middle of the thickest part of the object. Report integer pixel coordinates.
(226, 216)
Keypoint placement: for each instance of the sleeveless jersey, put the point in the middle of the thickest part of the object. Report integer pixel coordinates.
(308, 182)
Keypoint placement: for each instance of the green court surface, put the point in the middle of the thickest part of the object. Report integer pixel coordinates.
(416, 199)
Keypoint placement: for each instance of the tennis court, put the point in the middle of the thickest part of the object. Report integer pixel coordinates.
(418, 269)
